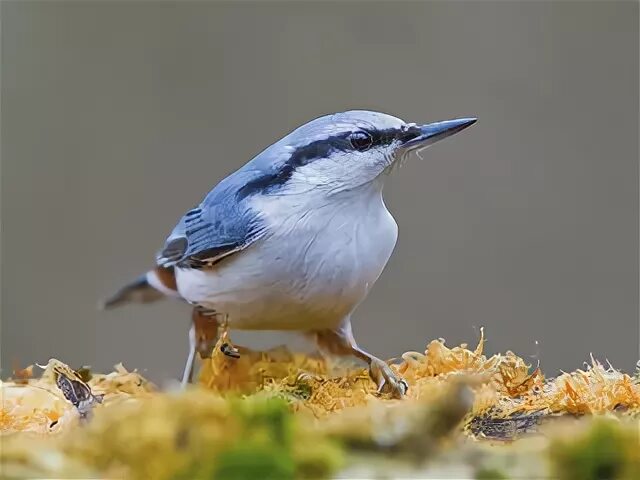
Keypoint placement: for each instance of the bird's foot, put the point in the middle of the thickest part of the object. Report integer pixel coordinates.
(340, 342)
(227, 347)
(229, 350)
(386, 379)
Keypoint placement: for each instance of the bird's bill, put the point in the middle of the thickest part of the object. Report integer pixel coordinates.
(432, 132)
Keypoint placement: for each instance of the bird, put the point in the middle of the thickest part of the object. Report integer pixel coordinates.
(294, 239)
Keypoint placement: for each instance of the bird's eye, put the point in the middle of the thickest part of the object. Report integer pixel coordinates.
(361, 141)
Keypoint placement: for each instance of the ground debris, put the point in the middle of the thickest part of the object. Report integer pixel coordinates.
(459, 399)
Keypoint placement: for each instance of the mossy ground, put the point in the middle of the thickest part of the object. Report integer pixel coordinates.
(283, 416)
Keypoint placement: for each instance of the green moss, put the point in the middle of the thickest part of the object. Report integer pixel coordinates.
(251, 461)
(268, 444)
(608, 450)
(317, 457)
(268, 417)
(490, 474)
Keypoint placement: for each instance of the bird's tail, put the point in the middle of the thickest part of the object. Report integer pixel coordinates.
(149, 287)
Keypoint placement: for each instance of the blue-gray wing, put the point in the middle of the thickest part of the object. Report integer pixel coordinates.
(223, 224)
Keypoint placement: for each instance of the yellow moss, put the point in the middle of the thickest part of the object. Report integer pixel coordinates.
(193, 433)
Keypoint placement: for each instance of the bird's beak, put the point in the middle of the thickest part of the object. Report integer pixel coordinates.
(432, 132)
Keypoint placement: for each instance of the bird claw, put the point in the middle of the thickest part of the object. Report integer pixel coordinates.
(226, 347)
(229, 350)
(387, 380)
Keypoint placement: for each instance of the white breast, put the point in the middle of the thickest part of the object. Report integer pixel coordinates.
(311, 271)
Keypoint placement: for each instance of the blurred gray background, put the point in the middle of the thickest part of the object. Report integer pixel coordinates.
(118, 117)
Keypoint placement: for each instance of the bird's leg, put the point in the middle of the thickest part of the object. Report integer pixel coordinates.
(206, 330)
(341, 342)
(187, 375)
(203, 335)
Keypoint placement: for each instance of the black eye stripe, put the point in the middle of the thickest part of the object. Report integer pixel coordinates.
(317, 149)
(300, 156)
(384, 137)
(389, 135)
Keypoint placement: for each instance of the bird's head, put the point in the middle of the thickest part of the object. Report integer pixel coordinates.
(345, 150)
(355, 147)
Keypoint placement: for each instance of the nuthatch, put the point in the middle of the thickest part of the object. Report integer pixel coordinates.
(296, 238)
